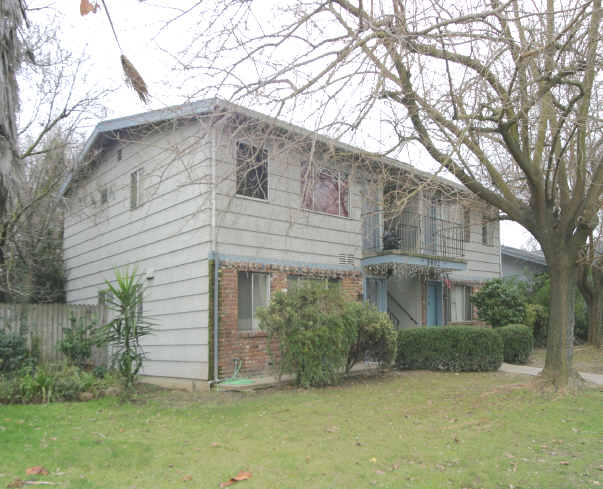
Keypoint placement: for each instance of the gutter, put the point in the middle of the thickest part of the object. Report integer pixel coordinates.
(215, 256)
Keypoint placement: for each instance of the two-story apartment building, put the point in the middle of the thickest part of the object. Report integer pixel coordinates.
(218, 207)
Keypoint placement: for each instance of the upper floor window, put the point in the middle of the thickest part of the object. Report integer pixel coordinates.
(104, 195)
(488, 227)
(467, 224)
(325, 190)
(136, 188)
(252, 171)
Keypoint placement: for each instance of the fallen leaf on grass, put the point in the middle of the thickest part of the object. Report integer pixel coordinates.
(600, 467)
(15, 484)
(187, 477)
(215, 444)
(564, 463)
(379, 472)
(241, 476)
(332, 429)
(37, 470)
(440, 467)
(373, 460)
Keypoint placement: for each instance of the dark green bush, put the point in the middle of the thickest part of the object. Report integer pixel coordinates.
(518, 342)
(376, 338)
(14, 353)
(537, 319)
(313, 338)
(451, 348)
(48, 384)
(78, 340)
(500, 302)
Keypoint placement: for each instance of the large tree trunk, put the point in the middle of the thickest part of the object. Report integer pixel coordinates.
(560, 338)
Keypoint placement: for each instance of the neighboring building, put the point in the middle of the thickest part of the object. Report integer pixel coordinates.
(210, 186)
(521, 264)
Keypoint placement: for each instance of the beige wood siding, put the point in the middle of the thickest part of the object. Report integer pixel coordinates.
(168, 234)
(278, 228)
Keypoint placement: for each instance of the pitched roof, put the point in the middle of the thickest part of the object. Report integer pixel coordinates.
(106, 130)
(523, 255)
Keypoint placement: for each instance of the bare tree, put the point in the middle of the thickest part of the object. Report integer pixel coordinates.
(36, 134)
(503, 95)
(32, 270)
(12, 15)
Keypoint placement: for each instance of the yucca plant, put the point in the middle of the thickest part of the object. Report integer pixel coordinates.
(124, 331)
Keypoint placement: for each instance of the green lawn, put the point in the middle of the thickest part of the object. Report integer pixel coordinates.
(406, 430)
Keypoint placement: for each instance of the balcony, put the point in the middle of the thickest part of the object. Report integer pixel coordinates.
(416, 239)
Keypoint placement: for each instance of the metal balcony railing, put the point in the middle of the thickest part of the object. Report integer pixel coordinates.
(415, 234)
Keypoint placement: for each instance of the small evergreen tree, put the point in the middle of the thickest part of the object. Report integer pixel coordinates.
(500, 302)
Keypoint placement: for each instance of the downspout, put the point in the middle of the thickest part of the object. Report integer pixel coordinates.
(215, 254)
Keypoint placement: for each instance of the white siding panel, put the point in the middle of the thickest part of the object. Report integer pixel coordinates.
(177, 369)
(186, 353)
(185, 336)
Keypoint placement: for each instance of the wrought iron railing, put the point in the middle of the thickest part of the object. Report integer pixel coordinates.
(417, 234)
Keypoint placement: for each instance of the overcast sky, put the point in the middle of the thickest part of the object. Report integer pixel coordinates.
(152, 46)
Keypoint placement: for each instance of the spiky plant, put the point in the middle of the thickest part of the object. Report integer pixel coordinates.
(125, 330)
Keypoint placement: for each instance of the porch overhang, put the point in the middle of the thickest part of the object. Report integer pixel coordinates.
(448, 264)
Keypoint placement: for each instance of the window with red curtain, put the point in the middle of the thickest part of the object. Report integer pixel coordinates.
(325, 190)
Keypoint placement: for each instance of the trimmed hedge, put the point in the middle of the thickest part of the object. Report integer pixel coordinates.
(375, 336)
(450, 348)
(518, 342)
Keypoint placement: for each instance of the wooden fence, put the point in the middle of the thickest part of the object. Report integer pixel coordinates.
(44, 323)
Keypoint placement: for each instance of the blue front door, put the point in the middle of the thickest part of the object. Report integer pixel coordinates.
(434, 303)
(375, 292)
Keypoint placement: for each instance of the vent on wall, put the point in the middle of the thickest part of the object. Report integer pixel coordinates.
(346, 259)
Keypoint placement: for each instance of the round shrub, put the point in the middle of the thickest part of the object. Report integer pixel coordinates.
(451, 348)
(518, 342)
(313, 339)
(376, 338)
(500, 302)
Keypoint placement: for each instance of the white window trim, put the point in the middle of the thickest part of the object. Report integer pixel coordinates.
(138, 176)
(255, 325)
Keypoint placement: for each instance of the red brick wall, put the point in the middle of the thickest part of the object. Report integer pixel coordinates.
(251, 347)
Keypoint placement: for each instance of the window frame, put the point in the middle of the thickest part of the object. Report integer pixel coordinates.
(256, 151)
(254, 322)
(465, 309)
(136, 188)
(326, 281)
(309, 176)
(487, 230)
(466, 224)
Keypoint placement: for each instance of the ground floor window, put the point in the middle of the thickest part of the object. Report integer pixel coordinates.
(254, 292)
(460, 303)
(295, 281)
